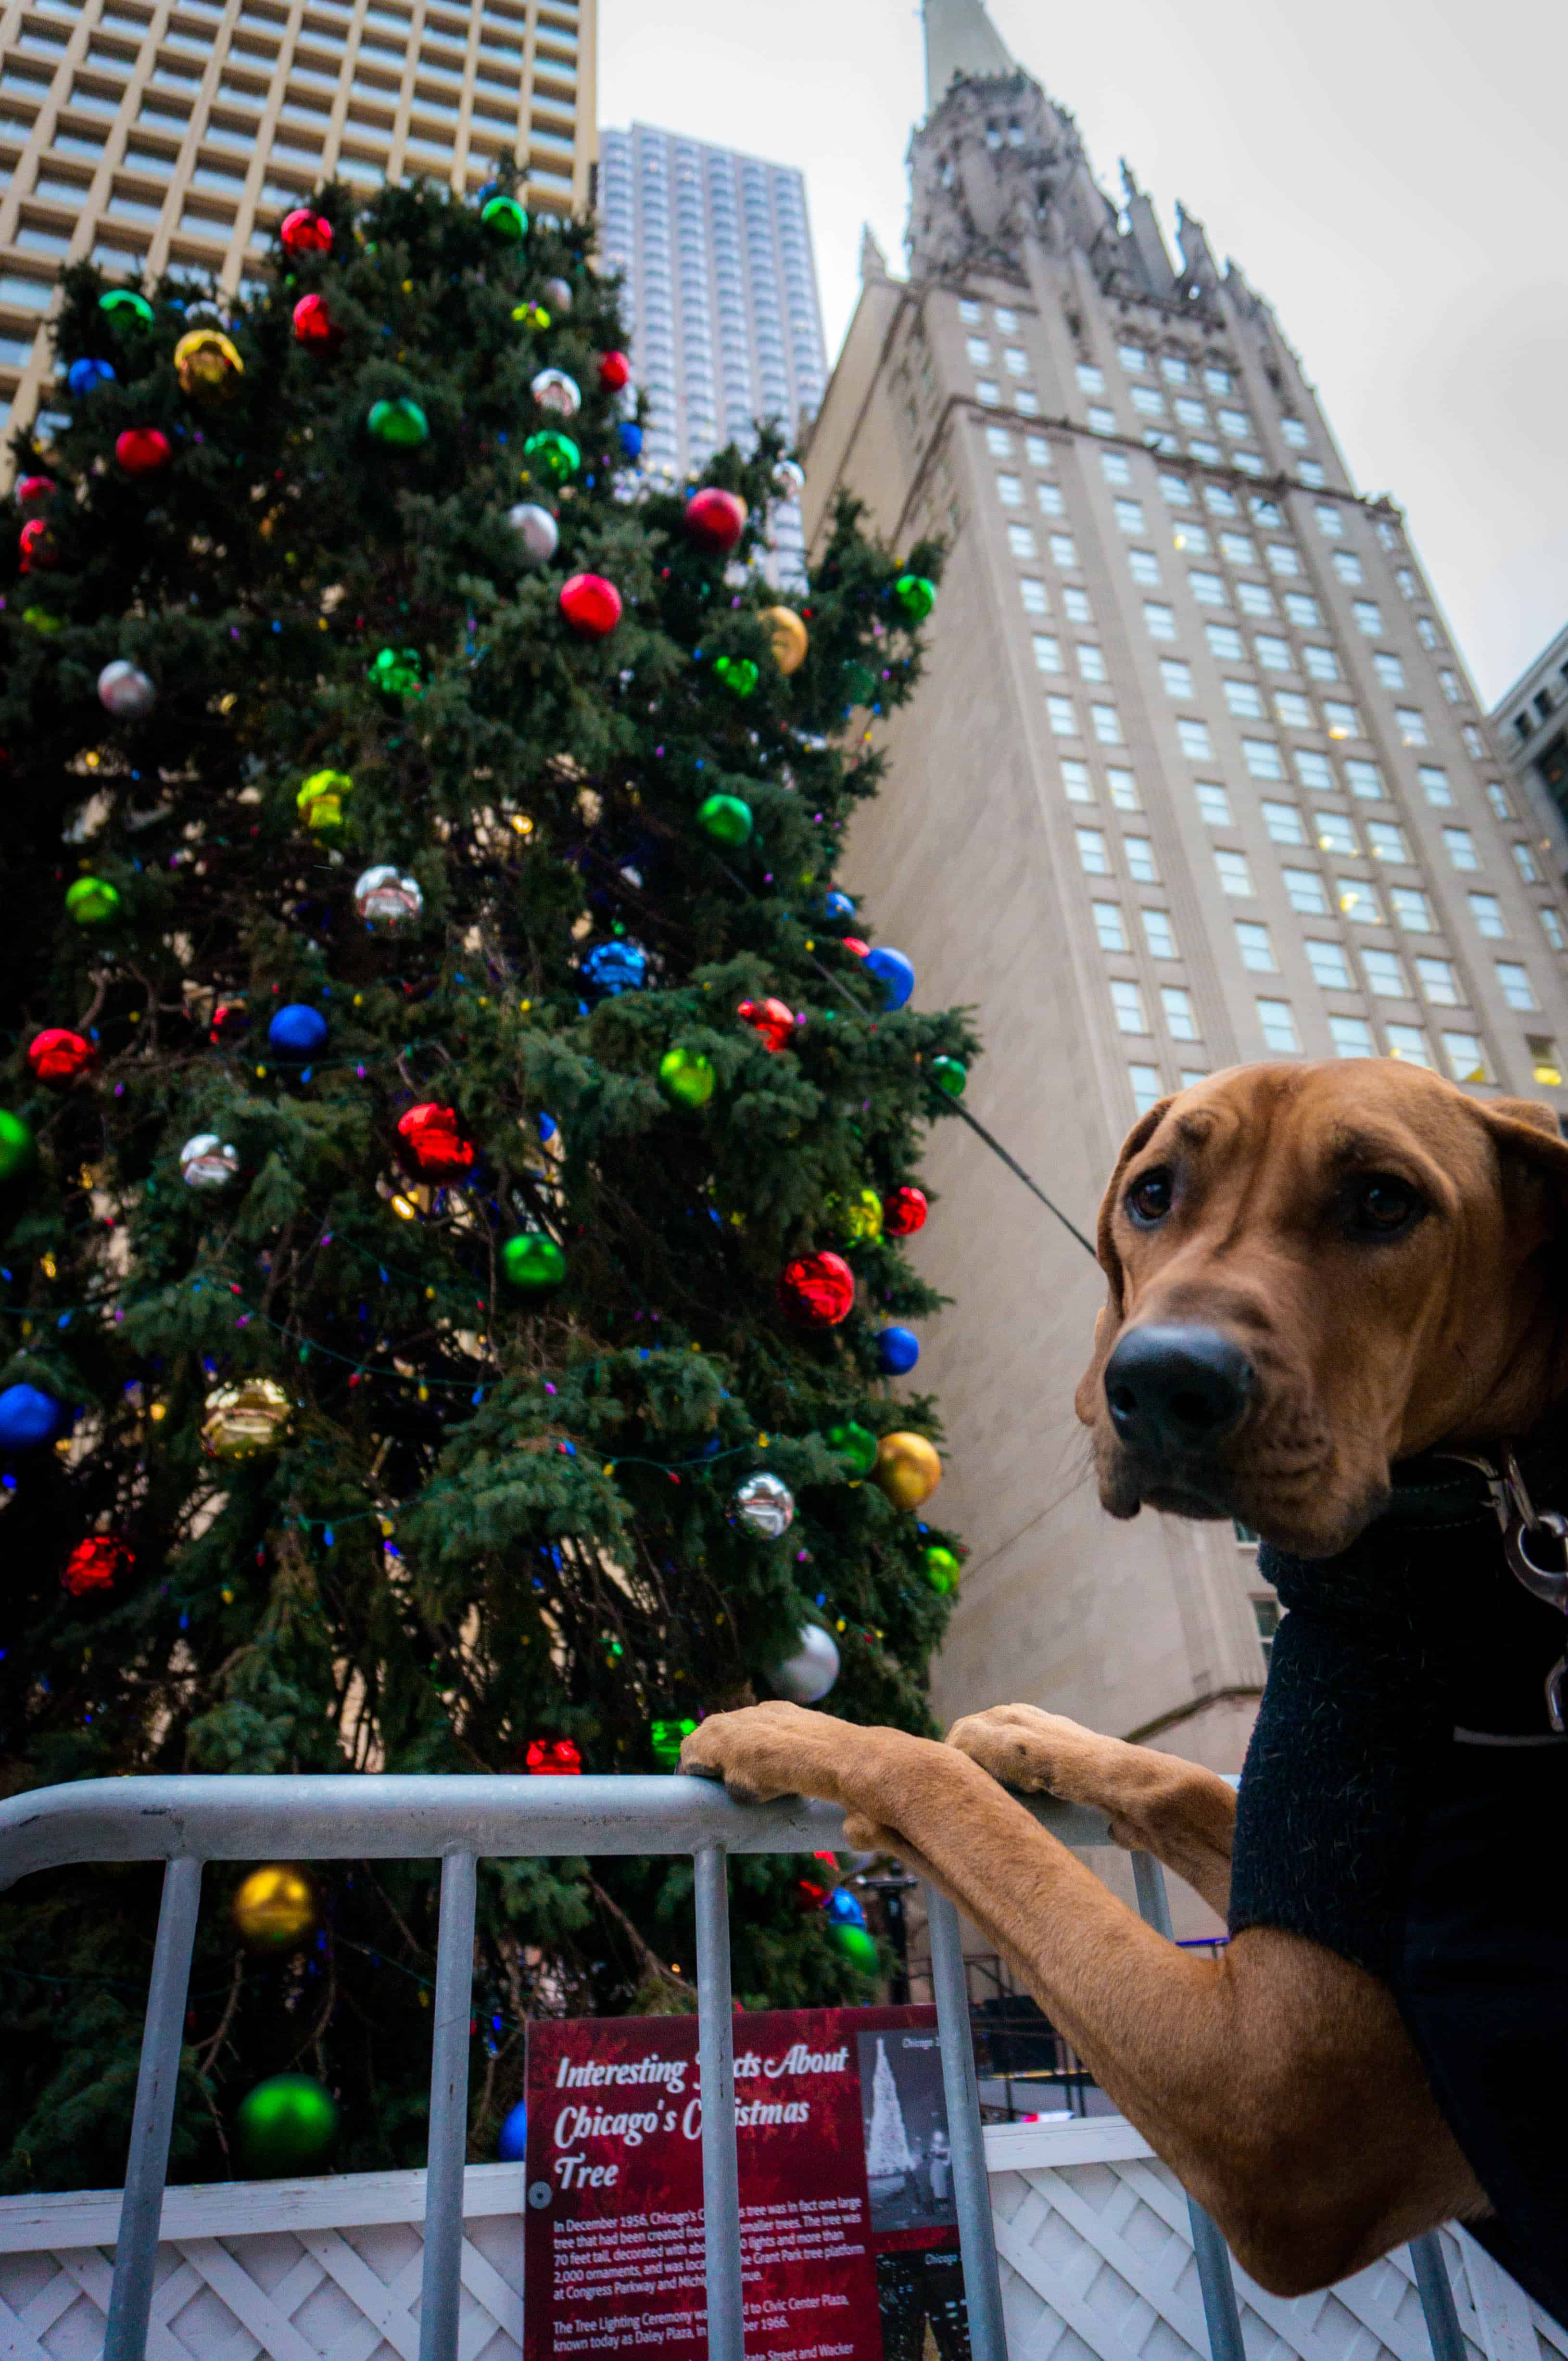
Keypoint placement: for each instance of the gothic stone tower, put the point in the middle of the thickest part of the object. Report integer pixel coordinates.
(1197, 776)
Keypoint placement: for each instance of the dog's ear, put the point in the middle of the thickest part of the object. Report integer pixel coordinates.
(1527, 1132)
(1086, 1401)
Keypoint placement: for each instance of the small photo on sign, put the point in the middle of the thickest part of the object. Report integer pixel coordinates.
(904, 2113)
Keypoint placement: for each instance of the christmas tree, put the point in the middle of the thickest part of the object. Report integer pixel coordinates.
(889, 2157)
(453, 1152)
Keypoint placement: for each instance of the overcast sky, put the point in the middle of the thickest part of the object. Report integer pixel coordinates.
(1393, 177)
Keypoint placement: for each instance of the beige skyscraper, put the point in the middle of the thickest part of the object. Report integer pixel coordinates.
(1196, 776)
(157, 133)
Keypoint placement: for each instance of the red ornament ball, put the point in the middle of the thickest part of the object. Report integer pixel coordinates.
(95, 1564)
(231, 1022)
(304, 232)
(615, 371)
(591, 605)
(313, 323)
(714, 521)
(904, 1212)
(432, 1144)
(142, 450)
(36, 547)
(32, 492)
(59, 1055)
(853, 943)
(554, 1758)
(818, 1289)
(770, 1020)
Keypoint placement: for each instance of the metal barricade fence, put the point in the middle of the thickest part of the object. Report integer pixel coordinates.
(461, 1821)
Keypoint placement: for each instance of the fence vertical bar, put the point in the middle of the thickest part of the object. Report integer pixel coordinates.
(441, 2283)
(1210, 2251)
(972, 2190)
(721, 2161)
(147, 2165)
(1436, 2291)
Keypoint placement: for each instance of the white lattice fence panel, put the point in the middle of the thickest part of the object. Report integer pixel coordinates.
(313, 2270)
(1097, 2265)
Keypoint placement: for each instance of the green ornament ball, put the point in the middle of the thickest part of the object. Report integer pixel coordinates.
(534, 1262)
(39, 619)
(855, 1443)
(395, 672)
(286, 2124)
(854, 1944)
(687, 1076)
(942, 1569)
(401, 421)
(124, 304)
(664, 1741)
(554, 454)
(949, 1074)
(16, 1149)
(726, 819)
(860, 683)
(738, 674)
(92, 901)
(506, 217)
(916, 595)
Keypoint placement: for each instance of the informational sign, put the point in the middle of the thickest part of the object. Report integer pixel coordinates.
(848, 2231)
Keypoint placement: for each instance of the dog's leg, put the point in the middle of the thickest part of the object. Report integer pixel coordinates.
(1155, 1803)
(1277, 2081)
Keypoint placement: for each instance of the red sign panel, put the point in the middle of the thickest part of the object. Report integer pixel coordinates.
(848, 2227)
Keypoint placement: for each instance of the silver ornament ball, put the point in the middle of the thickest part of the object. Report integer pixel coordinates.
(558, 295)
(384, 898)
(208, 1162)
(789, 479)
(554, 390)
(124, 691)
(536, 529)
(766, 1505)
(810, 1672)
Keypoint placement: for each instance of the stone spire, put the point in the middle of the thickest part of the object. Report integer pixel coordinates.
(961, 43)
(873, 261)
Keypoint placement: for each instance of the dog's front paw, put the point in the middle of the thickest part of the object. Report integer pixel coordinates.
(1041, 1753)
(780, 1750)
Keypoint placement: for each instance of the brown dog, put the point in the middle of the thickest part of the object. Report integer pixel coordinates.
(1315, 1272)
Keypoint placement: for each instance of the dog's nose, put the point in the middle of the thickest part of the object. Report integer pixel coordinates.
(1177, 1390)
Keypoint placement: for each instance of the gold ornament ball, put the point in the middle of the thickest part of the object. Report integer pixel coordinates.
(908, 1469)
(244, 1418)
(275, 1908)
(208, 365)
(861, 1219)
(789, 635)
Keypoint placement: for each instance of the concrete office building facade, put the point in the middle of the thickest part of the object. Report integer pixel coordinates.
(1531, 726)
(1196, 776)
(721, 296)
(157, 134)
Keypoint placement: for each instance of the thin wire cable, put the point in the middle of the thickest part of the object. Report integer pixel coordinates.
(973, 1121)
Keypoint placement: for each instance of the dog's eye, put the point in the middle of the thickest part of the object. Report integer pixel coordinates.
(1381, 1206)
(1148, 1199)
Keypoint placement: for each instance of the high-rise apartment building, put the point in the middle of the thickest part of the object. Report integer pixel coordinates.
(1196, 776)
(721, 300)
(1531, 726)
(148, 134)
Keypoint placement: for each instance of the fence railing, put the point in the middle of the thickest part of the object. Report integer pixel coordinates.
(186, 1822)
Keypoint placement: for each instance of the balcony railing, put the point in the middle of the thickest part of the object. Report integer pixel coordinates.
(459, 1821)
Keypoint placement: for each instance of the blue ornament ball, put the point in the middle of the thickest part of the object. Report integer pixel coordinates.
(894, 974)
(897, 1350)
(512, 2140)
(843, 1909)
(28, 1417)
(82, 376)
(546, 1127)
(298, 1030)
(631, 435)
(838, 905)
(620, 966)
